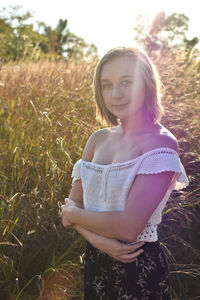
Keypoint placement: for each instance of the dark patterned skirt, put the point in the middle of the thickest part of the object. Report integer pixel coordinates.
(108, 279)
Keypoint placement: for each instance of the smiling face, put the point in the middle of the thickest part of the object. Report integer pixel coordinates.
(122, 87)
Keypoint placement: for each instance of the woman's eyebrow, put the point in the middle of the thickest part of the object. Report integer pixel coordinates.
(125, 76)
(121, 77)
(103, 80)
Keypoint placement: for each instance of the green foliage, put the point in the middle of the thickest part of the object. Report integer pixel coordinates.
(19, 40)
(176, 25)
(164, 33)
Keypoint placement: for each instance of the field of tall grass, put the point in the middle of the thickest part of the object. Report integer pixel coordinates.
(47, 113)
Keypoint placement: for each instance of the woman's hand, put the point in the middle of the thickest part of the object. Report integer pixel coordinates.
(125, 253)
(65, 212)
(119, 251)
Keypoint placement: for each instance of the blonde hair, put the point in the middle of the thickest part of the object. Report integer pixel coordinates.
(152, 102)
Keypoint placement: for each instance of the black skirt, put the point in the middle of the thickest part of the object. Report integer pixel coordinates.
(108, 279)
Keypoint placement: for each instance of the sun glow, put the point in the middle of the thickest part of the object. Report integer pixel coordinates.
(107, 24)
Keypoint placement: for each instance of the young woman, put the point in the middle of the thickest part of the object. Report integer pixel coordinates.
(123, 181)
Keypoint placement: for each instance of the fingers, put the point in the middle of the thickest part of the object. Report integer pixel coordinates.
(128, 248)
(131, 257)
(135, 245)
(64, 216)
(67, 203)
(64, 207)
(70, 202)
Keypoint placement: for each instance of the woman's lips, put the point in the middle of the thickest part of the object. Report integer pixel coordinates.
(120, 105)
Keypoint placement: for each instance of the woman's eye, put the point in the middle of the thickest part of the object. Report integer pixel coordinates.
(126, 82)
(106, 86)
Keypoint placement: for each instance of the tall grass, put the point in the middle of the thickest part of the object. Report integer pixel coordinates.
(46, 113)
(179, 231)
(46, 116)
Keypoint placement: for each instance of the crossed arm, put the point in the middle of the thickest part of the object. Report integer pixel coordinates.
(145, 195)
(122, 252)
(104, 229)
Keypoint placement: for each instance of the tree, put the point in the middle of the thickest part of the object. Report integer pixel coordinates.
(18, 39)
(164, 33)
(65, 43)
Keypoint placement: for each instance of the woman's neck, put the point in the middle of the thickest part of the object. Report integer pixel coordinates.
(137, 125)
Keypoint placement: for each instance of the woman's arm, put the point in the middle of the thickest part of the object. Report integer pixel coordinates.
(122, 252)
(76, 198)
(128, 224)
(115, 249)
(76, 193)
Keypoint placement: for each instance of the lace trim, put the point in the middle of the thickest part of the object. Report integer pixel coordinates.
(158, 172)
(149, 234)
(162, 151)
(127, 164)
(111, 168)
(98, 169)
(75, 179)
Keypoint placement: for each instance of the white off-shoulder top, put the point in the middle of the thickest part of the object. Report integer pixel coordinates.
(106, 187)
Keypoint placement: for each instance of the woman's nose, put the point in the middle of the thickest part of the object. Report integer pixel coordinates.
(116, 92)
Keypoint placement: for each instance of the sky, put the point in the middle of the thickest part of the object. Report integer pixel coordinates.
(106, 23)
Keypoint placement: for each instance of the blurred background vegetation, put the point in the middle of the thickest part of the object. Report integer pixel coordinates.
(47, 112)
(19, 39)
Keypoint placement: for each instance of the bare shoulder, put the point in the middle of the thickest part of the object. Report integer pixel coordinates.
(167, 141)
(95, 138)
(162, 139)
